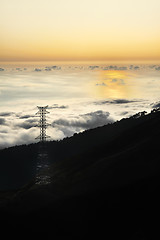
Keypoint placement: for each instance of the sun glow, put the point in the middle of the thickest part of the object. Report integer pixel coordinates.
(114, 74)
(112, 84)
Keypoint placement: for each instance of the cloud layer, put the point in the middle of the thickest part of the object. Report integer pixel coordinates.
(25, 125)
(80, 94)
(58, 106)
(2, 121)
(81, 67)
(83, 122)
(155, 105)
(115, 101)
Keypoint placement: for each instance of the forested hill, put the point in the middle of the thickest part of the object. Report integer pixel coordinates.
(103, 182)
(18, 164)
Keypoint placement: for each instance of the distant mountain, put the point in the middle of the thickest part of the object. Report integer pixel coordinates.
(102, 182)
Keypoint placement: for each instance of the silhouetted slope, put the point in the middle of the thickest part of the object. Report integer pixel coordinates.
(18, 164)
(104, 181)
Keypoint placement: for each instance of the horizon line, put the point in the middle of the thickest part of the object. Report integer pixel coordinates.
(107, 60)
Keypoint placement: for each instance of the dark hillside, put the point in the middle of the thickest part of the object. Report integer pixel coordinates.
(18, 164)
(103, 182)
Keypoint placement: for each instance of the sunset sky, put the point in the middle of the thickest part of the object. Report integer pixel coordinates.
(42, 30)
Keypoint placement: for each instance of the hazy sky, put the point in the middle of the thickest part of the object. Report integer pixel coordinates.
(79, 30)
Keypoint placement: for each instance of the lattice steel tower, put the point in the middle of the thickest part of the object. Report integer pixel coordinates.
(42, 123)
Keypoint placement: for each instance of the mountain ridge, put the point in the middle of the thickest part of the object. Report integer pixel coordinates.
(113, 171)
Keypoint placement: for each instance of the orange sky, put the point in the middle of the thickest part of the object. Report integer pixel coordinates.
(79, 30)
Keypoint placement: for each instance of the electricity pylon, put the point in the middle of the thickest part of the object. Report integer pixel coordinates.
(42, 123)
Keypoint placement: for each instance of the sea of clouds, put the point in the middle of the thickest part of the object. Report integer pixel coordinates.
(66, 89)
